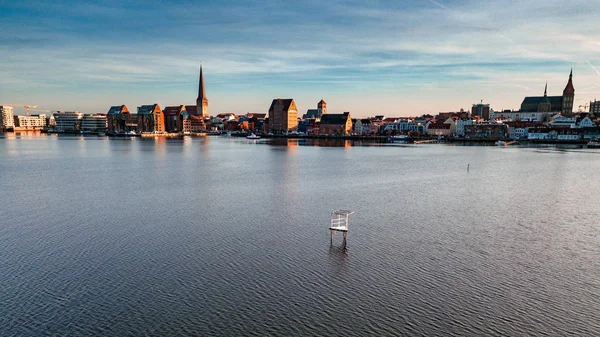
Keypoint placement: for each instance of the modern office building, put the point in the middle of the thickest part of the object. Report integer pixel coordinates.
(7, 119)
(481, 110)
(93, 123)
(68, 121)
(33, 122)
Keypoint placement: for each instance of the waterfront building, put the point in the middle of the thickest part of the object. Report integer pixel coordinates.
(68, 120)
(316, 113)
(116, 118)
(174, 118)
(560, 121)
(584, 121)
(569, 134)
(335, 124)
(283, 116)
(520, 130)
(150, 118)
(541, 133)
(510, 115)
(486, 131)
(418, 126)
(460, 126)
(94, 123)
(481, 110)
(399, 125)
(7, 118)
(201, 100)
(591, 133)
(438, 129)
(33, 122)
(256, 121)
(562, 104)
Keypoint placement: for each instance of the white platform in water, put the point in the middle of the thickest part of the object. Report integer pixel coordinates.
(339, 228)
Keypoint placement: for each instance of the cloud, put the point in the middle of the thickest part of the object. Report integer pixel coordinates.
(302, 48)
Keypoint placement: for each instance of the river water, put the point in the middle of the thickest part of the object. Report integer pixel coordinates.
(222, 236)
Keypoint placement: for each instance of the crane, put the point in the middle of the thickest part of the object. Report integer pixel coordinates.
(26, 106)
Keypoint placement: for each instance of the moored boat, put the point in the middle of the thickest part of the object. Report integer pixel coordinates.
(253, 136)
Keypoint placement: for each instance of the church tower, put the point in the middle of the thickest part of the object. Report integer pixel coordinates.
(545, 105)
(568, 97)
(321, 109)
(201, 101)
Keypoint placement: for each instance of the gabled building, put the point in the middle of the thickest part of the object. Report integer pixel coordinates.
(174, 118)
(150, 118)
(335, 124)
(283, 116)
(116, 118)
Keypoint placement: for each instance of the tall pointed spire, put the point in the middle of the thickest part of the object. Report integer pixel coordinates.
(546, 90)
(201, 90)
(201, 101)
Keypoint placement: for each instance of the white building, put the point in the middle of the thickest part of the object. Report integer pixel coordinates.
(68, 120)
(460, 126)
(586, 122)
(559, 121)
(33, 122)
(509, 115)
(398, 125)
(7, 119)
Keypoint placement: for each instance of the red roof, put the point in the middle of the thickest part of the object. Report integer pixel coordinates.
(172, 110)
(439, 126)
(191, 109)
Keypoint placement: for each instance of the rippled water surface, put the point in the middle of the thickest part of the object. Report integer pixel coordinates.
(228, 237)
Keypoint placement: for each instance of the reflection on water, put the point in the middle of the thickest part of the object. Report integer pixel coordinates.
(221, 236)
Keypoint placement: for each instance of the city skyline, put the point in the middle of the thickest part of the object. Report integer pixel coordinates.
(392, 58)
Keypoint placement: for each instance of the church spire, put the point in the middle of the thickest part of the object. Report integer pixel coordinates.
(569, 88)
(201, 101)
(546, 90)
(201, 90)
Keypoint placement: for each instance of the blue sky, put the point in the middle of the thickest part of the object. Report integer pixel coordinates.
(396, 58)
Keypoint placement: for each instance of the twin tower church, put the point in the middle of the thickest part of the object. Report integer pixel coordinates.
(562, 104)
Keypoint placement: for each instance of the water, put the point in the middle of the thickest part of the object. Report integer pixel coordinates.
(228, 237)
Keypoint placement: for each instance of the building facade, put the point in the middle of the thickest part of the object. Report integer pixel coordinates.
(94, 123)
(335, 124)
(595, 108)
(33, 122)
(283, 116)
(7, 118)
(68, 120)
(174, 118)
(150, 118)
(116, 118)
(481, 110)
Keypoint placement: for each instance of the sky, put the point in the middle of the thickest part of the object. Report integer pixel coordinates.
(393, 58)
